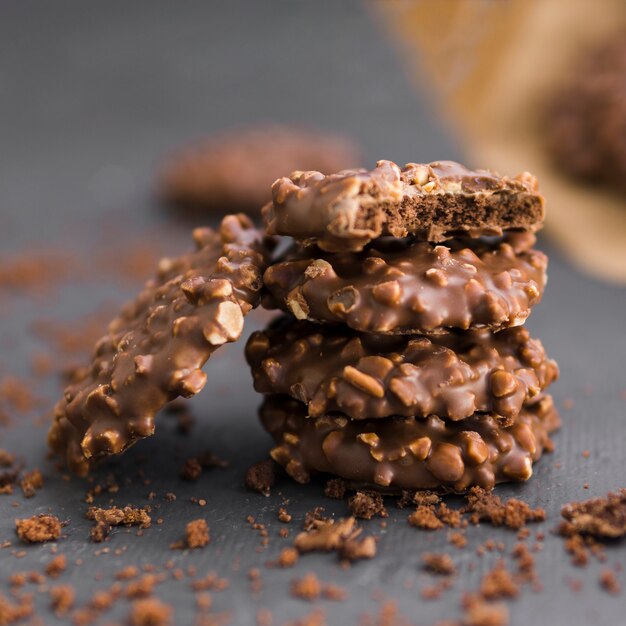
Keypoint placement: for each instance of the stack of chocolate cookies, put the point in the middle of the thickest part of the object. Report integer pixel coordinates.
(402, 361)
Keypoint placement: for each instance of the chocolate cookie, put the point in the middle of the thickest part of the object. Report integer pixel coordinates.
(406, 452)
(234, 171)
(586, 120)
(431, 202)
(154, 350)
(372, 376)
(403, 287)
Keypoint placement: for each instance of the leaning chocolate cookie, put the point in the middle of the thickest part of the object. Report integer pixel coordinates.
(407, 287)
(431, 202)
(406, 452)
(154, 350)
(372, 376)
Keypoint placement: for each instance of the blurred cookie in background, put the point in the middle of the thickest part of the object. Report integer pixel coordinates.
(586, 120)
(234, 171)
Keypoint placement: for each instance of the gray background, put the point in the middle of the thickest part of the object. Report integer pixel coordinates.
(91, 96)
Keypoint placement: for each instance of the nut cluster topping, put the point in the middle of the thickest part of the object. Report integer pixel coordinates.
(367, 376)
(406, 287)
(432, 202)
(154, 351)
(409, 453)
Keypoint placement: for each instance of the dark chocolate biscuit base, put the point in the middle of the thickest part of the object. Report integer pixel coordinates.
(234, 171)
(431, 202)
(371, 376)
(154, 350)
(409, 453)
(404, 287)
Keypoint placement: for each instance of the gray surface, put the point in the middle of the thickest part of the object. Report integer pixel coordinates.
(91, 95)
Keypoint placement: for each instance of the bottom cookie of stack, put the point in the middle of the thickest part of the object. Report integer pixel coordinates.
(398, 453)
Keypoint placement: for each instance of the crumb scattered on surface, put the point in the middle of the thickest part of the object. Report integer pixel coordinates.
(335, 488)
(107, 518)
(609, 582)
(38, 528)
(197, 534)
(261, 477)
(441, 564)
(61, 599)
(367, 504)
(150, 612)
(600, 517)
(484, 506)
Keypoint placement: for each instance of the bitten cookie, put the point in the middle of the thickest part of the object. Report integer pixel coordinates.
(403, 287)
(154, 350)
(372, 376)
(234, 171)
(406, 452)
(431, 202)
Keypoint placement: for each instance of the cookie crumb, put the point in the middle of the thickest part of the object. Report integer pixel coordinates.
(441, 564)
(604, 518)
(609, 582)
(56, 566)
(38, 529)
(367, 504)
(62, 599)
(192, 470)
(261, 477)
(150, 612)
(306, 588)
(335, 488)
(197, 534)
(483, 506)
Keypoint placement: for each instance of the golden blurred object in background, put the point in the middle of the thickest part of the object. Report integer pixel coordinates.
(494, 66)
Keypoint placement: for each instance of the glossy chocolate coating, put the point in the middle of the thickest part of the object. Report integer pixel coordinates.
(154, 350)
(431, 202)
(409, 453)
(405, 287)
(369, 376)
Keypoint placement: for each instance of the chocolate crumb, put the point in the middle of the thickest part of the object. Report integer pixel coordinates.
(306, 588)
(483, 506)
(56, 566)
(261, 477)
(150, 612)
(191, 470)
(499, 583)
(479, 612)
(609, 582)
(31, 482)
(367, 504)
(107, 518)
(197, 534)
(38, 528)
(441, 564)
(335, 488)
(424, 517)
(604, 518)
(62, 599)
(288, 557)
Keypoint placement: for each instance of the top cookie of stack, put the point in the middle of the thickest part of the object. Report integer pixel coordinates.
(367, 257)
(436, 253)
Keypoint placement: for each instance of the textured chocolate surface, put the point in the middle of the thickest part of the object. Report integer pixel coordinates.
(406, 452)
(432, 202)
(154, 350)
(235, 171)
(372, 376)
(412, 287)
(586, 120)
